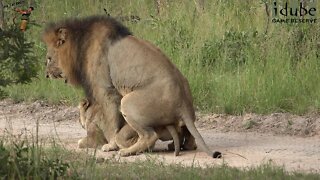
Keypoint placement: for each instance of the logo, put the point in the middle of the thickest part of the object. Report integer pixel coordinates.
(294, 11)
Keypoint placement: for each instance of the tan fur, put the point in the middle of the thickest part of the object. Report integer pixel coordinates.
(64, 52)
(90, 119)
(128, 137)
(115, 68)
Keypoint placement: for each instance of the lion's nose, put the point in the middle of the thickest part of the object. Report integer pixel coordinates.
(47, 75)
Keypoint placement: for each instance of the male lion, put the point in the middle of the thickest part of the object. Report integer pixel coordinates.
(90, 118)
(102, 56)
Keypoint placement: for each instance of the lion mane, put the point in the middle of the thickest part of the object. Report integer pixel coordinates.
(81, 33)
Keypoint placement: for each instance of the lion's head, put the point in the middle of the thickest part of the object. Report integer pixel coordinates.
(59, 57)
(52, 68)
(68, 43)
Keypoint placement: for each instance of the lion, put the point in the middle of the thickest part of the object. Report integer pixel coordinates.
(127, 136)
(114, 67)
(108, 127)
(90, 118)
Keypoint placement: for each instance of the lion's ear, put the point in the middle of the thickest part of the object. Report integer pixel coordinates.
(62, 36)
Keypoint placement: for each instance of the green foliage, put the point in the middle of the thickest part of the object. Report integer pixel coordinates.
(235, 61)
(230, 51)
(17, 61)
(155, 169)
(22, 161)
(52, 91)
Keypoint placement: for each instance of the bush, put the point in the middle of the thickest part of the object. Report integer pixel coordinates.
(17, 61)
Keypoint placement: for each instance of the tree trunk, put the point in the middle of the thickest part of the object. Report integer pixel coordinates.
(2, 24)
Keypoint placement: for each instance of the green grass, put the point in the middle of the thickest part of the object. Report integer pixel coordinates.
(23, 159)
(52, 91)
(233, 66)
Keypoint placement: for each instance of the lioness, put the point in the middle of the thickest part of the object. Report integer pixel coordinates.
(102, 56)
(90, 118)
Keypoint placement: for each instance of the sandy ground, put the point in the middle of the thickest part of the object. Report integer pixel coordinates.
(245, 141)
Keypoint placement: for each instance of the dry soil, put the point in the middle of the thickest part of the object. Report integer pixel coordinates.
(286, 140)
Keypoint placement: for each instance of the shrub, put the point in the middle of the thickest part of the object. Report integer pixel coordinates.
(17, 61)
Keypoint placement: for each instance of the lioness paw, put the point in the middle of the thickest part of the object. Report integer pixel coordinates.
(109, 147)
(85, 143)
(81, 143)
(124, 153)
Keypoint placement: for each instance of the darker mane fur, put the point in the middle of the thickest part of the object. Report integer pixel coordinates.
(80, 26)
(80, 30)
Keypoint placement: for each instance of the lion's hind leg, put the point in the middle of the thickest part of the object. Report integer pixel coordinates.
(176, 140)
(135, 116)
(146, 140)
(126, 137)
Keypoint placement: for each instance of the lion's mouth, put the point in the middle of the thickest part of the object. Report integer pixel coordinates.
(57, 76)
(64, 77)
(54, 75)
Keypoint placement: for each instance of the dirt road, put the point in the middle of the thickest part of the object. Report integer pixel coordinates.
(249, 140)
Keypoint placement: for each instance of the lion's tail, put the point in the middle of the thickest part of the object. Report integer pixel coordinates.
(189, 121)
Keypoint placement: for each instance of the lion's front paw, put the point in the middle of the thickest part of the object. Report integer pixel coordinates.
(124, 152)
(109, 147)
(82, 143)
